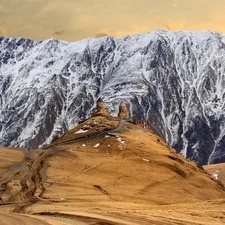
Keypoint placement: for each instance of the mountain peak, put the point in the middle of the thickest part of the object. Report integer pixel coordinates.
(174, 80)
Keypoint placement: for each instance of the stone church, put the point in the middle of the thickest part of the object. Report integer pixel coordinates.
(100, 110)
(123, 111)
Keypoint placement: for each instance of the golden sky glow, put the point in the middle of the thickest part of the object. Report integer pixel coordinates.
(72, 20)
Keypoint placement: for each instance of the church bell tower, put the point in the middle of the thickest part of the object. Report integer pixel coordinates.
(122, 111)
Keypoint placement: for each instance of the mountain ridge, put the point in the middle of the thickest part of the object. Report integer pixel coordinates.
(173, 79)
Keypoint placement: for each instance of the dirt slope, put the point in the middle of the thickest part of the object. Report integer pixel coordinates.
(106, 171)
(217, 171)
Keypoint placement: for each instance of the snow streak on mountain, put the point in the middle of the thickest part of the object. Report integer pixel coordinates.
(176, 80)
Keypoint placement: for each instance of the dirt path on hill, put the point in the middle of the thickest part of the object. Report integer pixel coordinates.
(21, 185)
(9, 219)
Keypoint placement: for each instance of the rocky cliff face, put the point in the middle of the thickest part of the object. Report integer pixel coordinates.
(173, 79)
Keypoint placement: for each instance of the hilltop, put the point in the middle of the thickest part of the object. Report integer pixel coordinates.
(107, 171)
(135, 163)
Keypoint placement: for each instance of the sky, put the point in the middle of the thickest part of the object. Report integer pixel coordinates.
(73, 20)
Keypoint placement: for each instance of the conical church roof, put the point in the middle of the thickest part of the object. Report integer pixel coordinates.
(99, 100)
(122, 103)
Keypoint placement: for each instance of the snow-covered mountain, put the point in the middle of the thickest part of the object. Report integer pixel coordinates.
(176, 80)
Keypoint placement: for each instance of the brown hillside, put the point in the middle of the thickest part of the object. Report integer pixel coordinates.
(106, 171)
(120, 157)
(217, 171)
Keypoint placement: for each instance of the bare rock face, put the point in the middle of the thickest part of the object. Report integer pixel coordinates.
(173, 79)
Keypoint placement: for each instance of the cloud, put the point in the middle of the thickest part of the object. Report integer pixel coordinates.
(2, 8)
(60, 32)
(105, 32)
(2, 31)
(173, 26)
(75, 20)
(27, 0)
(155, 19)
(102, 34)
(33, 0)
(175, 2)
(57, 32)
